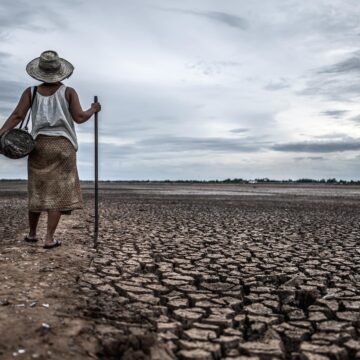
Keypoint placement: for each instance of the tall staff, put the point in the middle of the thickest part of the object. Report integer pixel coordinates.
(96, 230)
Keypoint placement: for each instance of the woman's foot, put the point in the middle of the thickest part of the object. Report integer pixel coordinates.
(32, 239)
(52, 244)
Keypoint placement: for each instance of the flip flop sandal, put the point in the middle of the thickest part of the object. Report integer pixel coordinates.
(54, 244)
(32, 240)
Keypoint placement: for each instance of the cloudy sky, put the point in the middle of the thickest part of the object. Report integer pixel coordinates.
(200, 89)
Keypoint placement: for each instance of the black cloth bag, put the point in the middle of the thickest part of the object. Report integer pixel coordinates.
(18, 143)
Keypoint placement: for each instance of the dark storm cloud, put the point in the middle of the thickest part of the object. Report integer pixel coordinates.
(355, 118)
(225, 18)
(4, 56)
(218, 16)
(239, 130)
(336, 82)
(349, 144)
(299, 158)
(279, 85)
(351, 65)
(344, 89)
(336, 114)
(184, 143)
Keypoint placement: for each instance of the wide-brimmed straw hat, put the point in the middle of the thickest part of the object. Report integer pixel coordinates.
(49, 67)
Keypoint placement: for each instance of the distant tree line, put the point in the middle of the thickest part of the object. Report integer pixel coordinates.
(247, 181)
(228, 181)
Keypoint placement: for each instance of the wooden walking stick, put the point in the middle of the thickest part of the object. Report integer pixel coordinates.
(96, 230)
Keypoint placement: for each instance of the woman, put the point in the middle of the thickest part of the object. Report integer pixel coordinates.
(53, 181)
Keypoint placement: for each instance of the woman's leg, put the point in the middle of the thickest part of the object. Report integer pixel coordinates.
(53, 220)
(33, 222)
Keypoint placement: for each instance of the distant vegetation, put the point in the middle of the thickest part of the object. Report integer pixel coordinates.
(229, 181)
(290, 181)
(264, 181)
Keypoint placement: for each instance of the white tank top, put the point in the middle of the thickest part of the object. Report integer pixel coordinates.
(51, 116)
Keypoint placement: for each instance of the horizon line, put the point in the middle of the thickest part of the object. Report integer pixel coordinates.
(264, 179)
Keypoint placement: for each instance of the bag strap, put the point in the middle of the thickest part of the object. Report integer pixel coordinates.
(30, 111)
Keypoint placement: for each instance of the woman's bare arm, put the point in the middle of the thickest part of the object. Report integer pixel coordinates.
(19, 113)
(78, 114)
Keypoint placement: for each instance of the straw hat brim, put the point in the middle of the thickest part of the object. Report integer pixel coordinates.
(65, 70)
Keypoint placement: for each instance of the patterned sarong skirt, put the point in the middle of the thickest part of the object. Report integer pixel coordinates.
(53, 181)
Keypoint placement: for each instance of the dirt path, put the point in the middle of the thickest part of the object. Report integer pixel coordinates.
(40, 307)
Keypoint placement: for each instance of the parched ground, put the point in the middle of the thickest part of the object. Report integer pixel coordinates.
(256, 273)
(40, 305)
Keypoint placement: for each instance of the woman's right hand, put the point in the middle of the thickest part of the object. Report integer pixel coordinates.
(96, 107)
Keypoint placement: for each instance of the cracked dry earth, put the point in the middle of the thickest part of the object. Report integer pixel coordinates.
(198, 277)
(40, 305)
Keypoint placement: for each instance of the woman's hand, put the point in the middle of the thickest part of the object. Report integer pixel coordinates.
(78, 114)
(96, 107)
